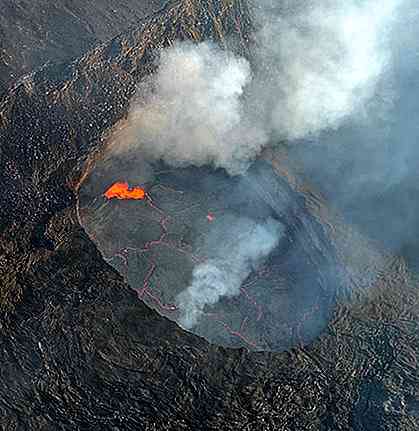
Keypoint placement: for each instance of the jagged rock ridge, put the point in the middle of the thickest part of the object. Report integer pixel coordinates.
(32, 34)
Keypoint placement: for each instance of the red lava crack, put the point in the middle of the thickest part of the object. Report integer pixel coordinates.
(146, 290)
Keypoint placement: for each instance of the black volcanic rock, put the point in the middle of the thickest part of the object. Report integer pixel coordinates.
(33, 33)
(79, 350)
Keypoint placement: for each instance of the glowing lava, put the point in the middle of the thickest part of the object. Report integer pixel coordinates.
(123, 191)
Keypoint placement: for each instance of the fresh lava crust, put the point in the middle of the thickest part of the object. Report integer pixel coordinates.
(120, 190)
(156, 245)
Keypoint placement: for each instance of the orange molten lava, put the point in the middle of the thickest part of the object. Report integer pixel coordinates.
(123, 191)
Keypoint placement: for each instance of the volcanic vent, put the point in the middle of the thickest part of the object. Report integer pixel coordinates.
(224, 247)
(235, 259)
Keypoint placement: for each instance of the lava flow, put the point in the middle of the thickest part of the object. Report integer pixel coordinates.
(123, 191)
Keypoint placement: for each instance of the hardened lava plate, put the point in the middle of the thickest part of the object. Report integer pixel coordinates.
(156, 243)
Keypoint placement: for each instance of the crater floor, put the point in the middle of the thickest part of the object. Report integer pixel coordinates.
(157, 242)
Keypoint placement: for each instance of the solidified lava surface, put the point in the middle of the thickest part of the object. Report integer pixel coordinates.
(158, 241)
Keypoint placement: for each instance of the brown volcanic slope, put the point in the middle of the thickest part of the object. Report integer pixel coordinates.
(79, 350)
(32, 33)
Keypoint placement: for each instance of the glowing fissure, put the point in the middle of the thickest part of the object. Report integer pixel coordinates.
(149, 290)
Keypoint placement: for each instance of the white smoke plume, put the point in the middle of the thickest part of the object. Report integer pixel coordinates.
(235, 247)
(191, 113)
(318, 63)
(322, 61)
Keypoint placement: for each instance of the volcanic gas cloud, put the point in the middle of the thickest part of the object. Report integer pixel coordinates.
(316, 66)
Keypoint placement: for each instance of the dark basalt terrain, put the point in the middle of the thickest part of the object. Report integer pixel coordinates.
(33, 33)
(80, 350)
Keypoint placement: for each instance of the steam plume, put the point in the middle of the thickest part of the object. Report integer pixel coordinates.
(368, 167)
(190, 113)
(320, 62)
(317, 64)
(235, 247)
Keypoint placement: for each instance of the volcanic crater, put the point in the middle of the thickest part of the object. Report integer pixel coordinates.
(155, 234)
(80, 351)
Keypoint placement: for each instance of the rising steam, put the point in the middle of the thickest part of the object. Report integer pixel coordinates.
(321, 62)
(317, 64)
(236, 246)
(190, 112)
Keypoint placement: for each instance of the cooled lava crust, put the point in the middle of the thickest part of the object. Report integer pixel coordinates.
(155, 243)
(80, 350)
